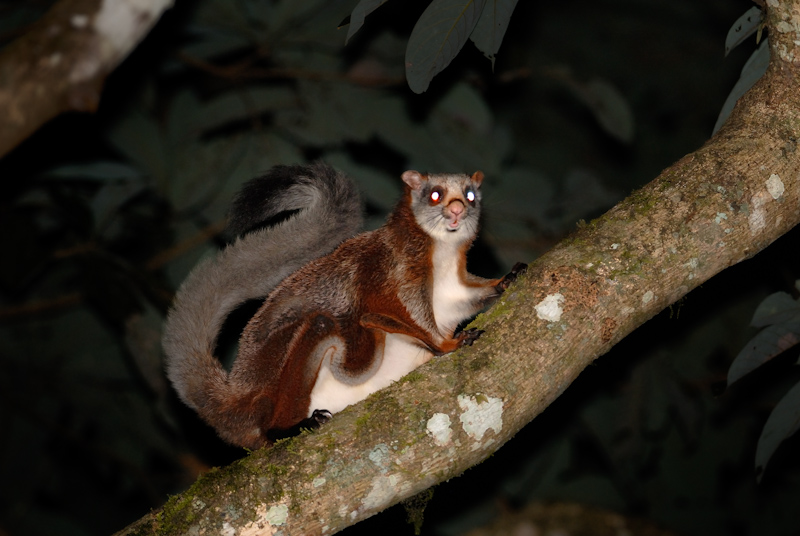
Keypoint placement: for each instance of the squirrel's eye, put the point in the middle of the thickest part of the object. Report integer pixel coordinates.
(470, 196)
(436, 195)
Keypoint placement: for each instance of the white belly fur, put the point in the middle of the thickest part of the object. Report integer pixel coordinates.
(400, 356)
(451, 298)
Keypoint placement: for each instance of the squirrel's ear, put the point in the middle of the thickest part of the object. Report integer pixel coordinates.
(414, 179)
(477, 177)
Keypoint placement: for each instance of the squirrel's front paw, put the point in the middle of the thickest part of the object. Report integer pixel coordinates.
(320, 417)
(517, 270)
(468, 336)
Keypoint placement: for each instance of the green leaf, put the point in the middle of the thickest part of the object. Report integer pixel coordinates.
(770, 342)
(210, 43)
(609, 108)
(244, 104)
(780, 314)
(111, 197)
(331, 113)
(463, 127)
(101, 170)
(781, 424)
(753, 70)
(775, 309)
(360, 12)
(297, 17)
(744, 27)
(437, 38)
(136, 135)
(377, 187)
(491, 27)
(201, 170)
(182, 119)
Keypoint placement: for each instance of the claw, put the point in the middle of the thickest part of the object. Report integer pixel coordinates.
(468, 336)
(517, 270)
(321, 416)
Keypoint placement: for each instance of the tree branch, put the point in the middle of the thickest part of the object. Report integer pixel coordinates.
(60, 64)
(710, 210)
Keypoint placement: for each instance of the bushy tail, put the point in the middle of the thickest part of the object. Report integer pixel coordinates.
(328, 211)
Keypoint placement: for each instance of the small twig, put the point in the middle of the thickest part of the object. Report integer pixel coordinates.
(244, 71)
(79, 249)
(41, 306)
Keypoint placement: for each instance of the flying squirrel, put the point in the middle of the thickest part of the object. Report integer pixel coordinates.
(344, 315)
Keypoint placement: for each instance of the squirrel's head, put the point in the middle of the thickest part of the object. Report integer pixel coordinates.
(446, 206)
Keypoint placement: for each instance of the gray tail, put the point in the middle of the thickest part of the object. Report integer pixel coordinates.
(325, 210)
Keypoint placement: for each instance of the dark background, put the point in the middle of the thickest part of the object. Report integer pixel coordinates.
(103, 215)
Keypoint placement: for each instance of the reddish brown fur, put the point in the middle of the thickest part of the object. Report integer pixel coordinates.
(366, 288)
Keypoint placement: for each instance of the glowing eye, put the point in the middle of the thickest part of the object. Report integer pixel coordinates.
(436, 196)
(470, 196)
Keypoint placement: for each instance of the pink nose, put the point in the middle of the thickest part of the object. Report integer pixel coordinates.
(456, 207)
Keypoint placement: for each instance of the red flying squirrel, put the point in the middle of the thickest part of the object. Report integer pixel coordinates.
(343, 317)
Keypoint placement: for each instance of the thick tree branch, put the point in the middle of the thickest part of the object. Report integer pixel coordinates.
(60, 64)
(712, 209)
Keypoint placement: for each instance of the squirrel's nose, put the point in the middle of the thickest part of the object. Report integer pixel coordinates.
(456, 207)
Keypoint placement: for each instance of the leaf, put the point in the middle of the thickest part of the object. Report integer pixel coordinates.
(212, 42)
(752, 71)
(775, 309)
(244, 104)
(298, 17)
(111, 197)
(377, 188)
(782, 314)
(101, 170)
(330, 113)
(610, 109)
(463, 127)
(407, 137)
(781, 424)
(606, 103)
(770, 342)
(182, 119)
(201, 170)
(491, 27)
(136, 135)
(360, 12)
(744, 27)
(437, 38)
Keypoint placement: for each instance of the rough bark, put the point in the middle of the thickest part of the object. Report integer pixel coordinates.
(61, 62)
(710, 210)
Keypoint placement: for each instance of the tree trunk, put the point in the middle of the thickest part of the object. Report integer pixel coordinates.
(61, 62)
(710, 210)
